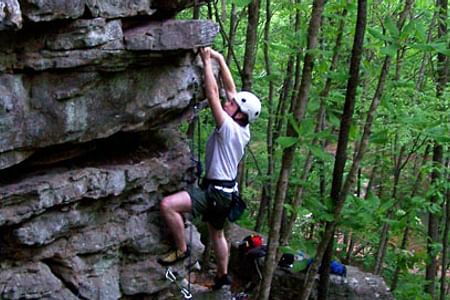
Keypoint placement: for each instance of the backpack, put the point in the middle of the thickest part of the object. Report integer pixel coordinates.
(286, 260)
(251, 252)
(337, 268)
(252, 241)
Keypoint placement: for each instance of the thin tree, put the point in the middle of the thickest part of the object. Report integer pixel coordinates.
(278, 122)
(223, 13)
(350, 179)
(291, 80)
(232, 32)
(249, 65)
(426, 56)
(267, 186)
(346, 121)
(288, 222)
(433, 223)
(433, 219)
(399, 164)
(288, 154)
(350, 247)
(196, 10)
(250, 45)
(407, 229)
(445, 241)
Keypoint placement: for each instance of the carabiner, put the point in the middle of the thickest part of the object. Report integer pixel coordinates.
(186, 293)
(170, 275)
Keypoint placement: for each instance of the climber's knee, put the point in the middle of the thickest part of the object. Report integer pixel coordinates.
(178, 202)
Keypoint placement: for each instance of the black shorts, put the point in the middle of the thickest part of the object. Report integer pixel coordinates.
(212, 204)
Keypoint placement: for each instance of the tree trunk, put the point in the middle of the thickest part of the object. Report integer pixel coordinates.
(399, 165)
(267, 192)
(232, 32)
(372, 177)
(445, 241)
(329, 229)
(229, 40)
(403, 246)
(288, 154)
(348, 237)
(425, 57)
(406, 232)
(349, 250)
(288, 221)
(298, 67)
(382, 247)
(249, 64)
(287, 84)
(433, 219)
(433, 225)
(250, 45)
(325, 270)
(341, 151)
(210, 11)
(288, 224)
(286, 89)
(223, 14)
(267, 185)
(196, 10)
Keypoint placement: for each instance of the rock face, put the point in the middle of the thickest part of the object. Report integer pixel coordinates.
(92, 93)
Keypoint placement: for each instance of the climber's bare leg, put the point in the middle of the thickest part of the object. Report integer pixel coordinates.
(172, 208)
(220, 246)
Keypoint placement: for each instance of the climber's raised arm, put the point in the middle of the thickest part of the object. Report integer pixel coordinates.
(225, 74)
(211, 87)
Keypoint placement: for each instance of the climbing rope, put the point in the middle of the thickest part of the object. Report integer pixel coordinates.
(197, 158)
(198, 166)
(190, 258)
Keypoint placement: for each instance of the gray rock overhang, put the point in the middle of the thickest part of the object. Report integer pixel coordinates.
(91, 78)
(101, 44)
(14, 13)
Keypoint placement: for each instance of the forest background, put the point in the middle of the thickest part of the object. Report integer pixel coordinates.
(350, 158)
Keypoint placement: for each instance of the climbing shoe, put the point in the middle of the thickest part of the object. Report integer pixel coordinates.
(173, 257)
(219, 282)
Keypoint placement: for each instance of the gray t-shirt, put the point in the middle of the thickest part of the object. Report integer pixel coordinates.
(225, 148)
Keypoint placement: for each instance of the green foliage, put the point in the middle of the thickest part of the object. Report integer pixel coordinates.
(241, 3)
(410, 116)
(410, 287)
(301, 247)
(391, 27)
(358, 214)
(287, 141)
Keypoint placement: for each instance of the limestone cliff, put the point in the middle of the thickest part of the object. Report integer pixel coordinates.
(92, 93)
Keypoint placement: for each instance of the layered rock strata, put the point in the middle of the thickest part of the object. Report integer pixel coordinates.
(92, 94)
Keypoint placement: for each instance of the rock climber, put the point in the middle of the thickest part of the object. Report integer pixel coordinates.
(224, 150)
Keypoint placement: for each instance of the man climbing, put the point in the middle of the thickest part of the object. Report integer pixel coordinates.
(224, 149)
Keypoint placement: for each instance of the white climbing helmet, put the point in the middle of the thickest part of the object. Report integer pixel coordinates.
(248, 104)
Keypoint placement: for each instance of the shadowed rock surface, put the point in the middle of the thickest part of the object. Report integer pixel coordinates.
(74, 81)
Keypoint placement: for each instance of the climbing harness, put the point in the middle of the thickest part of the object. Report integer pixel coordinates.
(172, 278)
